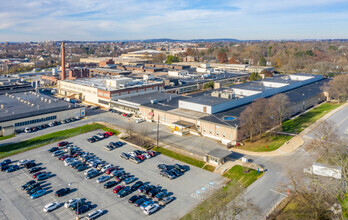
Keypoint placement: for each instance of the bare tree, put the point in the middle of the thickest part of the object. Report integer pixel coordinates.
(279, 103)
(262, 113)
(338, 88)
(247, 121)
(130, 130)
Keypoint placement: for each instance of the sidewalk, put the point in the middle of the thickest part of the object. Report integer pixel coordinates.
(294, 143)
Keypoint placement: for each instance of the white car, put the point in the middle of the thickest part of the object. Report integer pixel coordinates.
(70, 202)
(50, 207)
(94, 214)
(133, 154)
(90, 171)
(101, 136)
(146, 155)
(27, 130)
(151, 209)
(106, 167)
(140, 120)
(23, 162)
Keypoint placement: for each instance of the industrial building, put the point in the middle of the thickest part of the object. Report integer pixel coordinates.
(215, 114)
(100, 91)
(19, 110)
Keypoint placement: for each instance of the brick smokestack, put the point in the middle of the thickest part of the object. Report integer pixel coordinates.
(63, 74)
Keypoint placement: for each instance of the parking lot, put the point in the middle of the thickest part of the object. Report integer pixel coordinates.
(16, 205)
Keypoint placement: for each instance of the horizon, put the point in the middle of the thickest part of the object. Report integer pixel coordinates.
(89, 20)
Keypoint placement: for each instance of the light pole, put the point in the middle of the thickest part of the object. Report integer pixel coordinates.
(78, 196)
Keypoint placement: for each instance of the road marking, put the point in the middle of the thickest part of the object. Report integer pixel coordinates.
(279, 192)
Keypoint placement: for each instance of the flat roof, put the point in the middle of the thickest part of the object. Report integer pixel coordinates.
(219, 153)
(207, 99)
(13, 108)
(145, 99)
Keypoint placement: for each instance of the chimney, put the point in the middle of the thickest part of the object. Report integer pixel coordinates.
(63, 76)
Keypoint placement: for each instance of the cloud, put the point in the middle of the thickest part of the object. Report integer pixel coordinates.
(140, 19)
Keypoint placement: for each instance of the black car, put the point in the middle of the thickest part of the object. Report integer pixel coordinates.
(32, 186)
(125, 156)
(96, 138)
(30, 165)
(33, 190)
(147, 189)
(53, 149)
(153, 192)
(138, 152)
(4, 167)
(31, 182)
(91, 140)
(162, 166)
(83, 209)
(139, 201)
(110, 184)
(124, 192)
(81, 167)
(62, 192)
(12, 168)
(134, 198)
(136, 185)
(180, 168)
(5, 162)
(34, 169)
(177, 172)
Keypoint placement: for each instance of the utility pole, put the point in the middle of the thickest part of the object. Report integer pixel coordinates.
(157, 130)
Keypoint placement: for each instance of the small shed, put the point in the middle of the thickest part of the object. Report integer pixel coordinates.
(217, 156)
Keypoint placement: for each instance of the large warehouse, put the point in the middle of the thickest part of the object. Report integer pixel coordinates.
(215, 114)
(20, 110)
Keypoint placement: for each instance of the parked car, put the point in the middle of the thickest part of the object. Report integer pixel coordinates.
(141, 157)
(177, 172)
(151, 209)
(108, 171)
(146, 204)
(33, 190)
(180, 168)
(81, 167)
(128, 180)
(94, 214)
(30, 164)
(32, 186)
(58, 153)
(53, 149)
(62, 192)
(63, 143)
(124, 192)
(34, 170)
(43, 176)
(12, 168)
(82, 209)
(110, 184)
(73, 206)
(23, 162)
(31, 182)
(91, 140)
(103, 179)
(5, 162)
(146, 155)
(134, 198)
(101, 136)
(160, 196)
(139, 201)
(138, 152)
(136, 185)
(162, 166)
(38, 173)
(153, 193)
(4, 167)
(140, 120)
(92, 175)
(38, 194)
(108, 148)
(152, 153)
(125, 156)
(50, 207)
(109, 133)
(166, 200)
(71, 202)
(118, 189)
(89, 171)
(135, 160)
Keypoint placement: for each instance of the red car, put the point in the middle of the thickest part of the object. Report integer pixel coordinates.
(36, 174)
(125, 115)
(118, 188)
(63, 143)
(141, 157)
(152, 153)
(108, 171)
(109, 133)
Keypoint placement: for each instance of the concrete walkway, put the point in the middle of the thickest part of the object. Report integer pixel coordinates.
(294, 143)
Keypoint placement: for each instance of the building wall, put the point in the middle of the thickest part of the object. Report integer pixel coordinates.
(58, 116)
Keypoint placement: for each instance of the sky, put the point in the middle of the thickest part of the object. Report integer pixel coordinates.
(89, 20)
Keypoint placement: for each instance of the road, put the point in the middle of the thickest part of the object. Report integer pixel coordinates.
(265, 193)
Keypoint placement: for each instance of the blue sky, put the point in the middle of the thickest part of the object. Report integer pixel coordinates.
(39, 20)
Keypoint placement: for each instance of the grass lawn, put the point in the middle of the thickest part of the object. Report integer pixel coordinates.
(272, 142)
(218, 201)
(7, 137)
(183, 158)
(298, 124)
(15, 148)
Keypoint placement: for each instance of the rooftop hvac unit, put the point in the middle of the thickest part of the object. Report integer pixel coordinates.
(28, 103)
(42, 98)
(45, 100)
